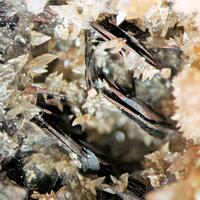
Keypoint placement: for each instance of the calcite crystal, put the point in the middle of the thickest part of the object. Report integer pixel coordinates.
(10, 190)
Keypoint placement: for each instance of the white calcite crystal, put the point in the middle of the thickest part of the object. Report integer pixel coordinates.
(35, 6)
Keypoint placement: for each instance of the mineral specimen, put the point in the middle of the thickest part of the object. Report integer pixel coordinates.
(99, 99)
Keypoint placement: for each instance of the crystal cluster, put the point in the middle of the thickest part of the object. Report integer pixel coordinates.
(65, 134)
